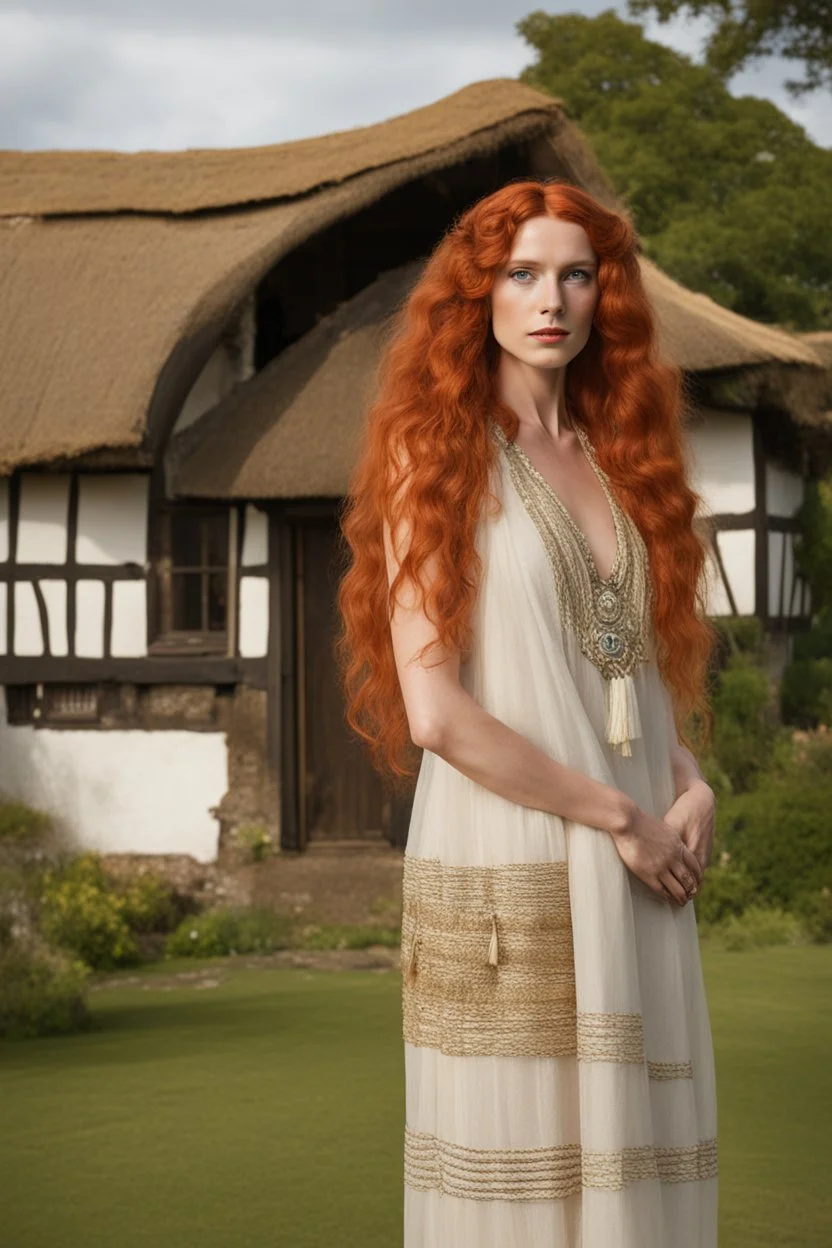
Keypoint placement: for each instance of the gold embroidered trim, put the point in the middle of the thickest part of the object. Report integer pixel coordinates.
(670, 1070)
(610, 1037)
(550, 1173)
(488, 968)
(610, 616)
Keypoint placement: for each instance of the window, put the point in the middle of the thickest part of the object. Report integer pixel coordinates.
(192, 569)
(54, 705)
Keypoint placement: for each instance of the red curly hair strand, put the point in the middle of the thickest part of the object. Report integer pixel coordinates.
(436, 395)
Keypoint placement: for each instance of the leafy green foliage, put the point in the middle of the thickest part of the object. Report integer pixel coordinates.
(757, 927)
(806, 693)
(21, 825)
(745, 730)
(41, 993)
(729, 196)
(82, 908)
(781, 832)
(229, 930)
(81, 912)
(745, 30)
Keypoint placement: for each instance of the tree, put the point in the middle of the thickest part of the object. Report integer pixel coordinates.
(746, 30)
(729, 196)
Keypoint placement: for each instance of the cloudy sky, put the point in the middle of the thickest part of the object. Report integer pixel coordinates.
(212, 73)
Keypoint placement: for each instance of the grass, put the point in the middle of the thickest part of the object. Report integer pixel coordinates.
(268, 1111)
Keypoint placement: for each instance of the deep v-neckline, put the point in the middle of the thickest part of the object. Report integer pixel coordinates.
(577, 531)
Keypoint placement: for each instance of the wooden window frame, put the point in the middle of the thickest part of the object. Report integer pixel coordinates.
(204, 641)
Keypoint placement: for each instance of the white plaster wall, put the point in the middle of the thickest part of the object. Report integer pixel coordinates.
(112, 518)
(737, 550)
(255, 537)
(44, 511)
(213, 383)
(254, 616)
(120, 791)
(721, 462)
(4, 519)
(129, 636)
(28, 635)
(784, 490)
(89, 619)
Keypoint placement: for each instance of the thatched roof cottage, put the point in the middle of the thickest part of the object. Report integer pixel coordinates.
(188, 344)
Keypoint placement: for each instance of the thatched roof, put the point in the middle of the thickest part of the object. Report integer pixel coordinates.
(113, 295)
(119, 272)
(820, 340)
(293, 430)
(64, 183)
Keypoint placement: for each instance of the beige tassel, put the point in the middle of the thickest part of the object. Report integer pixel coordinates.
(623, 722)
(410, 969)
(494, 944)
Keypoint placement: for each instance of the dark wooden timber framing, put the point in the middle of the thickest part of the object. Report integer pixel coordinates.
(183, 670)
(282, 675)
(71, 538)
(14, 521)
(44, 619)
(761, 603)
(721, 566)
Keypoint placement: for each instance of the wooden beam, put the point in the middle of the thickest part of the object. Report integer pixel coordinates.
(760, 525)
(188, 670)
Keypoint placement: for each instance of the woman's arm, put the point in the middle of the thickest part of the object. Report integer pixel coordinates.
(486, 750)
(446, 720)
(686, 772)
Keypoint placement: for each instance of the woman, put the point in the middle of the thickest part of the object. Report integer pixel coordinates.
(521, 508)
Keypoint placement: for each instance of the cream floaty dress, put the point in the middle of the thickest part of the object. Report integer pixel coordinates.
(559, 1070)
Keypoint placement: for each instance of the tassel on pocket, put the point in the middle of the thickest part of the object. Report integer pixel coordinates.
(410, 965)
(494, 944)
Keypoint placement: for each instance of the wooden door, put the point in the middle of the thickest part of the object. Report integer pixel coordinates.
(341, 796)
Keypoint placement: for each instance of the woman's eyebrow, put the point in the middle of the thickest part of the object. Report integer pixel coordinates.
(569, 264)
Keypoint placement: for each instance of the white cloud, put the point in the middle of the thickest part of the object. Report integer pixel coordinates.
(171, 74)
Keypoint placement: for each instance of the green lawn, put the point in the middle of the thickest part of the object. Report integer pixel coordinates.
(267, 1112)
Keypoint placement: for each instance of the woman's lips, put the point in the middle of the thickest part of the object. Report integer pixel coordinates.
(549, 335)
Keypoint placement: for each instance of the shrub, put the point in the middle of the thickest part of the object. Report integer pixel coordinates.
(806, 692)
(816, 641)
(335, 936)
(727, 889)
(757, 927)
(20, 824)
(41, 993)
(745, 731)
(150, 903)
(781, 834)
(81, 911)
(815, 911)
(229, 930)
(254, 839)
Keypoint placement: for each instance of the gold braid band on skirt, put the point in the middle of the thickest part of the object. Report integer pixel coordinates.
(549, 1173)
(488, 968)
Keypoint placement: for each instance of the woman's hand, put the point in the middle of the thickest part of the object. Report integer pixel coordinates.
(693, 816)
(656, 852)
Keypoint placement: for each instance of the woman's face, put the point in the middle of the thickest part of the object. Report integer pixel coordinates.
(550, 280)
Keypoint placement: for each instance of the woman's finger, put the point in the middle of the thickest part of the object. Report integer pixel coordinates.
(673, 886)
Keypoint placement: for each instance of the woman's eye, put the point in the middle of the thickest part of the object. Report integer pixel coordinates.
(517, 272)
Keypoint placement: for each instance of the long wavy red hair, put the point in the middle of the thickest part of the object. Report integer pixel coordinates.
(436, 394)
